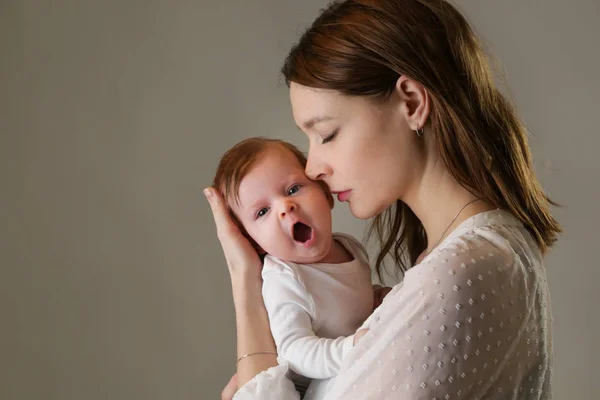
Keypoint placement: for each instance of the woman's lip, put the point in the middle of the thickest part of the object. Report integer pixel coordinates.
(343, 196)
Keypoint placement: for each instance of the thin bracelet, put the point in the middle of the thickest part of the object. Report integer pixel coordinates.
(254, 354)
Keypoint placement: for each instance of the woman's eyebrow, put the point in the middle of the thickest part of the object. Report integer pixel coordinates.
(311, 122)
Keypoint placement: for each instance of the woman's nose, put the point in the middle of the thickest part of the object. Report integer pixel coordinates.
(315, 169)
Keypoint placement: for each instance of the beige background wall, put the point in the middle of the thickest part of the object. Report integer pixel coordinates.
(113, 115)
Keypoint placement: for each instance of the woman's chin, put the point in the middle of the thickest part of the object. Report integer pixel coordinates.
(363, 211)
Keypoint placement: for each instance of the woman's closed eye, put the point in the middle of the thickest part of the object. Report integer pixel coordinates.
(330, 137)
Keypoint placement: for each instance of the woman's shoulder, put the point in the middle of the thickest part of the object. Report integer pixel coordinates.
(482, 260)
(457, 264)
(491, 238)
(472, 248)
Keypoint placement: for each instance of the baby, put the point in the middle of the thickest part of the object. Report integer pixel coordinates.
(316, 284)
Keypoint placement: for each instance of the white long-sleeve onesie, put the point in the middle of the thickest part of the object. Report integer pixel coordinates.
(315, 309)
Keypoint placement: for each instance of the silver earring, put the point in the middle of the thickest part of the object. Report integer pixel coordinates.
(420, 132)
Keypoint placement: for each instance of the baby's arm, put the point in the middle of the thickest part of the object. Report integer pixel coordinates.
(290, 309)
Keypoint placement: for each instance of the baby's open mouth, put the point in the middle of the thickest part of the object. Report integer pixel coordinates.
(302, 232)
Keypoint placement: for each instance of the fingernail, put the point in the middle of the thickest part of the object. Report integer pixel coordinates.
(208, 193)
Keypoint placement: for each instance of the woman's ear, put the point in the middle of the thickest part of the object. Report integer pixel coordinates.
(414, 101)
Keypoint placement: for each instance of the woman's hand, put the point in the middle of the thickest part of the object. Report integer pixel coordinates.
(379, 294)
(242, 259)
(358, 335)
(230, 389)
(252, 321)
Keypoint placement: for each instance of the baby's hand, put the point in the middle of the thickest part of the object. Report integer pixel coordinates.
(379, 294)
(359, 335)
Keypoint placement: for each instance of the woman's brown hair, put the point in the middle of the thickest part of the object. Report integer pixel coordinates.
(361, 47)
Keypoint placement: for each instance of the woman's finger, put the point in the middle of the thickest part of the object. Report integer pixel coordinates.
(241, 257)
(379, 295)
(358, 335)
(226, 229)
(230, 389)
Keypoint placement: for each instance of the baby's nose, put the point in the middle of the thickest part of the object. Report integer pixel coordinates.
(287, 207)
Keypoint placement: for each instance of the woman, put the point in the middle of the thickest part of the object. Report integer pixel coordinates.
(407, 126)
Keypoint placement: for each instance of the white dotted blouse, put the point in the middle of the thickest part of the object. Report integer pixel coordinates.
(471, 321)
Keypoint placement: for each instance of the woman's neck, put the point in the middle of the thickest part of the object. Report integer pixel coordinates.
(438, 200)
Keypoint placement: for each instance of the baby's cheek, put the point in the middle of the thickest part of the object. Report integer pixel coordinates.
(274, 241)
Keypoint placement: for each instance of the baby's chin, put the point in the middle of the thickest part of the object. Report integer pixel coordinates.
(301, 258)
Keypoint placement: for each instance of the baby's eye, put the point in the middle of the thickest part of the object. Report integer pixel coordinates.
(293, 190)
(261, 212)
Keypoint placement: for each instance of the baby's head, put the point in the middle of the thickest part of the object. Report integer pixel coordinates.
(274, 204)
